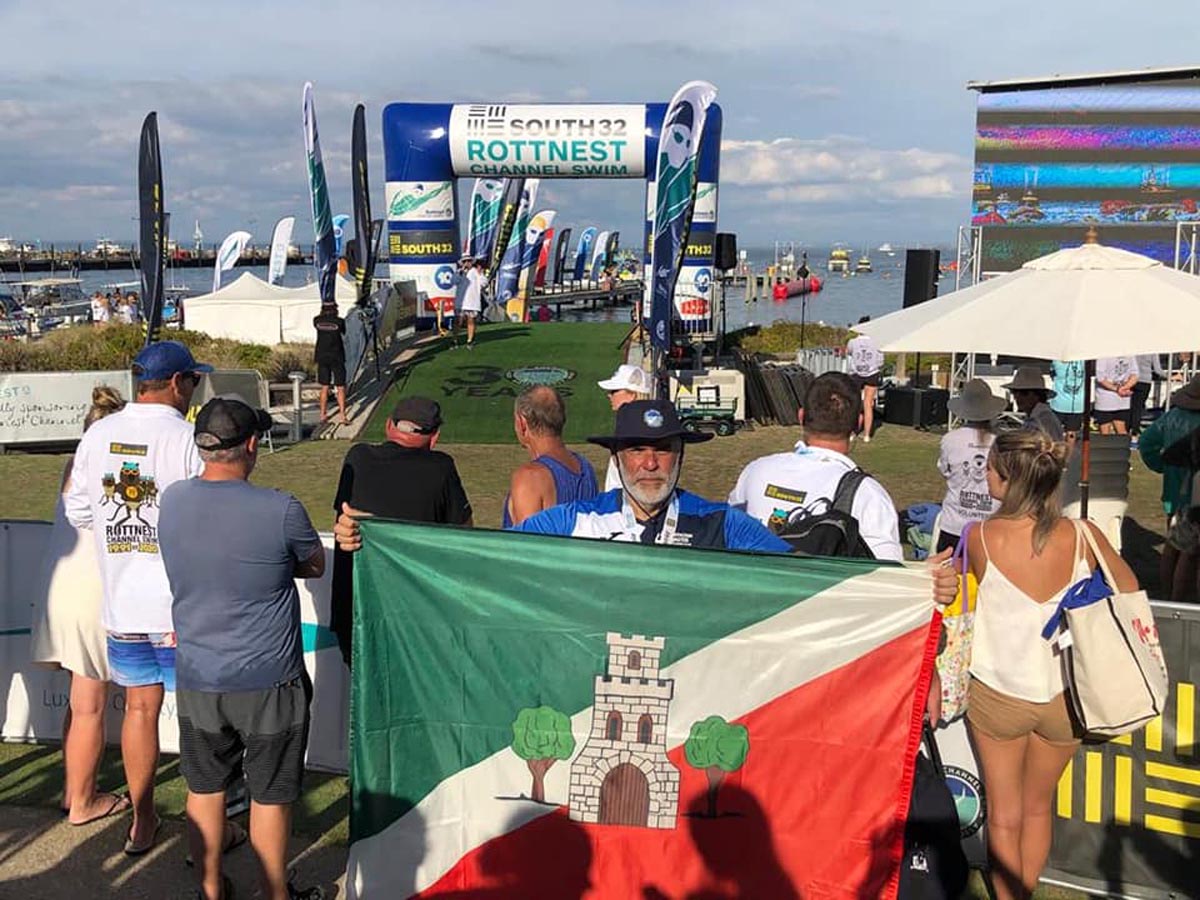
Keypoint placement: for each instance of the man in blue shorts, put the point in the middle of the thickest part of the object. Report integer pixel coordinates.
(232, 553)
(122, 465)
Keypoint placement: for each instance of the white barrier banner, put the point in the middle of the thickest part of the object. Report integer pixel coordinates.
(35, 697)
(38, 407)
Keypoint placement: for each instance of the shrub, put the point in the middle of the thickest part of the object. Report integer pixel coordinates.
(783, 338)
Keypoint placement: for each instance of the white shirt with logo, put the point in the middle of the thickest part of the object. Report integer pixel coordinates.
(1115, 370)
(963, 463)
(99, 309)
(124, 463)
(771, 487)
(865, 358)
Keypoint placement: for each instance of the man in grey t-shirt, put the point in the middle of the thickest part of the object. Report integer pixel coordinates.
(232, 553)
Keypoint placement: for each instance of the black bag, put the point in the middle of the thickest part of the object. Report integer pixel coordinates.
(934, 866)
(833, 532)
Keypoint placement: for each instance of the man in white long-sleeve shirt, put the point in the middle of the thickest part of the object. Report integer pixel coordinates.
(120, 471)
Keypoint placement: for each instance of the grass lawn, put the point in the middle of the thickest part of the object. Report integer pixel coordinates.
(901, 458)
(476, 387)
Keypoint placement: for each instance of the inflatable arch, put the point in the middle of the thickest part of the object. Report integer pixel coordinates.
(428, 146)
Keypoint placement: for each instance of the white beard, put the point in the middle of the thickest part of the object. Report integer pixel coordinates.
(650, 499)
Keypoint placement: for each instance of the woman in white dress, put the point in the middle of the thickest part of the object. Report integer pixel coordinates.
(67, 633)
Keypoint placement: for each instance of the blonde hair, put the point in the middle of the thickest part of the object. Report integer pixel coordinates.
(105, 401)
(1031, 464)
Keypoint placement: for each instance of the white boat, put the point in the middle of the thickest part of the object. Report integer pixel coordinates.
(105, 247)
(887, 248)
(839, 259)
(46, 303)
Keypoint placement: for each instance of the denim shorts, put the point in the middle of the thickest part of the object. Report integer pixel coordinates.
(137, 660)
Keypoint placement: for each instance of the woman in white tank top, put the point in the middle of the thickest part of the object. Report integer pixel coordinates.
(1025, 557)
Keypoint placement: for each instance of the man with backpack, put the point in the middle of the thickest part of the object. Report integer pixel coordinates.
(815, 496)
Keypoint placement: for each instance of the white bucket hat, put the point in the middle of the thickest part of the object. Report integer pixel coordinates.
(628, 378)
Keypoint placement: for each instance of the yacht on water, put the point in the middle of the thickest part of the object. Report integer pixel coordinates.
(839, 259)
(887, 248)
(863, 266)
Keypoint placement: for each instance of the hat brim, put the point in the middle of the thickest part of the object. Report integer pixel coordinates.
(612, 442)
(202, 368)
(989, 410)
(1013, 386)
(615, 384)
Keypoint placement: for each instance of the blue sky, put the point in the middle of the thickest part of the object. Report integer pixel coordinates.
(842, 121)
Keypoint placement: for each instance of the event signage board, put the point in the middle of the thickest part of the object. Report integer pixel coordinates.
(427, 245)
(43, 407)
(420, 201)
(549, 141)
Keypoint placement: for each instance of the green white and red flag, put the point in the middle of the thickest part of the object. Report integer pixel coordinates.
(544, 717)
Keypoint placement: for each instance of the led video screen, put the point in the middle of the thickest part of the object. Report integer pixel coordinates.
(1051, 161)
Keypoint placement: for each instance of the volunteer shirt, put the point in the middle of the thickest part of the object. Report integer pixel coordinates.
(330, 328)
(1068, 386)
(963, 463)
(771, 487)
(124, 463)
(865, 358)
(230, 550)
(1115, 370)
(472, 300)
(689, 521)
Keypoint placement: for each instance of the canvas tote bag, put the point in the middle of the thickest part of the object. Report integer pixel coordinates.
(1116, 674)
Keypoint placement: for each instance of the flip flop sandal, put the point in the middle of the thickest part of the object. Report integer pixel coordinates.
(235, 836)
(226, 890)
(132, 849)
(120, 803)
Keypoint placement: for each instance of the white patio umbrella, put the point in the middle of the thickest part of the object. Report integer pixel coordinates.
(1082, 303)
(1085, 302)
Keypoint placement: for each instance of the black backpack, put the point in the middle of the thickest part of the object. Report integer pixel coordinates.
(833, 532)
(934, 866)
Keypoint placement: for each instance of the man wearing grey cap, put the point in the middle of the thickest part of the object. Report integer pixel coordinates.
(232, 552)
(403, 478)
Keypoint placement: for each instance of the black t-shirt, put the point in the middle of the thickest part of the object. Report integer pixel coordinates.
(330, 328)
(415, 485)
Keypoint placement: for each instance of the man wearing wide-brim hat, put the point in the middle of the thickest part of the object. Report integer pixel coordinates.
(1165, 447)
(1030, 393)
(648, 443)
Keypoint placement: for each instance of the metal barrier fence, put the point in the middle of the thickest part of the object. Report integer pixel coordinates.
(820, 360)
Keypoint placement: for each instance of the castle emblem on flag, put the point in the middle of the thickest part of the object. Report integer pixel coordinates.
(622, 776)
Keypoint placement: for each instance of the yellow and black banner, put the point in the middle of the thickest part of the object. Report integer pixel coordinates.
(1127, 812)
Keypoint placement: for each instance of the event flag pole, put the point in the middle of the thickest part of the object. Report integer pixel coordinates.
(152, 227)
(679, 141)
(1085, 450)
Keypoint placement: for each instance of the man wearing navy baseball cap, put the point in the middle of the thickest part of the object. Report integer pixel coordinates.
(121, 467)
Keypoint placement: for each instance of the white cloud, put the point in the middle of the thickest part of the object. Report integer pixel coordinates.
(840, 170)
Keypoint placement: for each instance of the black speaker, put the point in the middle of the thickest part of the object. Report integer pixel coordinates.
(726, 251)
(918, 407)
(920, 276)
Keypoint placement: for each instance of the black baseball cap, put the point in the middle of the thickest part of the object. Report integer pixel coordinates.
(226, 422)
(647, 421)
(424, 413)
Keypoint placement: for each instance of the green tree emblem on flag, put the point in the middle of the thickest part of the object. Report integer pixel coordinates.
(717, 748)
(542, 735)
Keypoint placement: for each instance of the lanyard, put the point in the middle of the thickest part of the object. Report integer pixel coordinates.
(667, 534)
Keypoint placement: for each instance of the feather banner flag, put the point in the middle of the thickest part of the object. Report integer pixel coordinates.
(152, 229)
(675, 200)
(510, 208)
(532, 249)
(513, 260)
(598, 256)
(583, 252)
(324, 247)
(589, 724)
(231, 251)
(483, 218)
(281, 239)
(365, 249)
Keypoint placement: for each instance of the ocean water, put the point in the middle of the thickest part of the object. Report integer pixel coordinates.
(841, 301)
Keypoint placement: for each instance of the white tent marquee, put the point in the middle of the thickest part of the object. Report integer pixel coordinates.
(250, 310)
